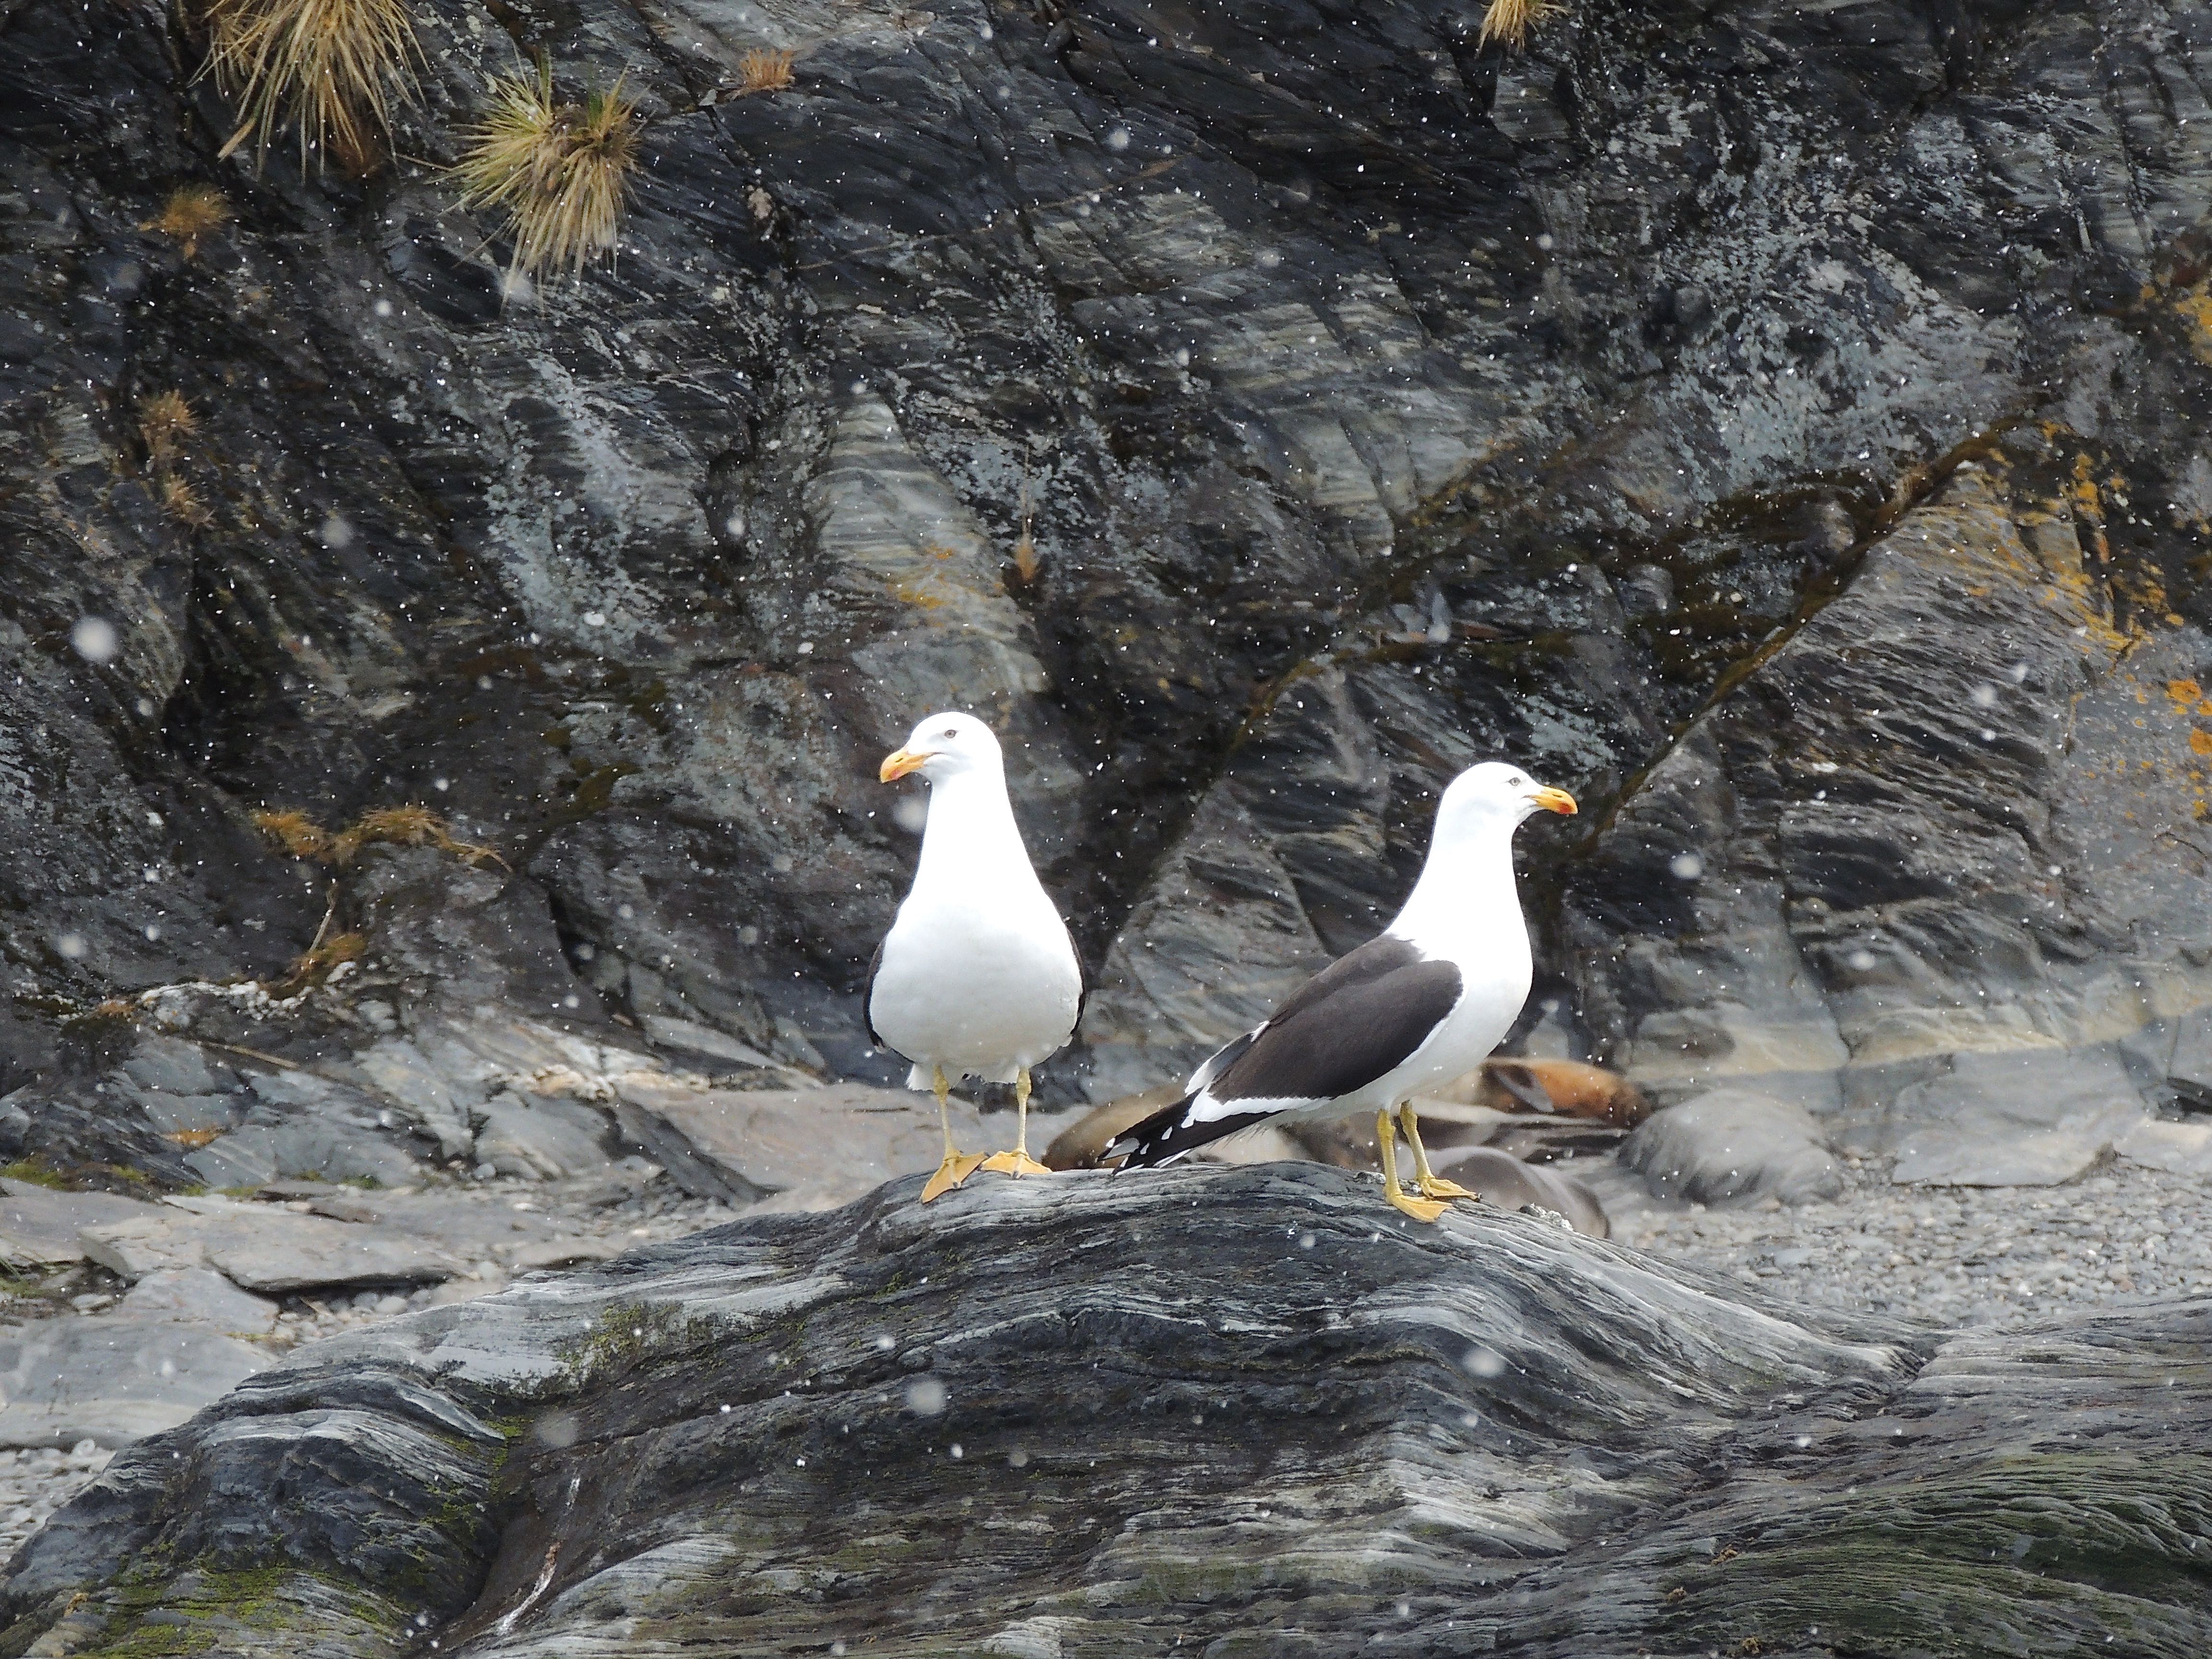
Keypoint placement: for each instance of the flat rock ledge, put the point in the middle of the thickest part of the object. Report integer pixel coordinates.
(1241, 1411)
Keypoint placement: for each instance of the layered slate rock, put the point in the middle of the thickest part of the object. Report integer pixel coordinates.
(1945, 899)
(1380, 401)
(1248, 1410)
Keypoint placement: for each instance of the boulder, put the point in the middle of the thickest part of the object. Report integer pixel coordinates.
(1733, 1144)
(543, 1138)
(194, 1295)
(314, 1144)
(690, 1038)
(2020, 1118)
(403, 1074)
(1978, 1156)
(1254, 1410)
(116, 1378)
(2189, 1066)
(39, 1225)
(2183, 1148)
(260, 1248)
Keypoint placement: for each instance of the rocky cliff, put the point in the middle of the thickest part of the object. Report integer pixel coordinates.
(1781, 426)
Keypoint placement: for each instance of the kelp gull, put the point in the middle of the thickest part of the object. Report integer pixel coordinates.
(1423, 1002)
(977, 976)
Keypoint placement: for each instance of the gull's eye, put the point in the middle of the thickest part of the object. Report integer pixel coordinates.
(951, 731)
(1516, 782)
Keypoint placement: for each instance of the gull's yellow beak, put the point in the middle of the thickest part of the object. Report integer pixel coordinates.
(899, 762)
(1551, 800)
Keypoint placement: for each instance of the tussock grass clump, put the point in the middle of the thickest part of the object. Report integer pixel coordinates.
(182, 502)
(1025, 553)
(326, 66)
(399, 826)
(409, 826)
(559, 170)
(1509, 21)
(313, 965)
(296, 833)
(191, 211)
(165, 421)
(764, 71)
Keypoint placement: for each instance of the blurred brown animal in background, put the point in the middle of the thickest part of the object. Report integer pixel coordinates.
(1563, 1088)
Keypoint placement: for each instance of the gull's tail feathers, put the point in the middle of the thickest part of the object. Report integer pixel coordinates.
(1177, 1130)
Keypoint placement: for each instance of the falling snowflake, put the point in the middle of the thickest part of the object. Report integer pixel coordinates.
(95, 639)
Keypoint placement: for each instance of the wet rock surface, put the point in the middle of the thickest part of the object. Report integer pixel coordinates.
(1762, 424)
(1270, 1411)
(1782, 427)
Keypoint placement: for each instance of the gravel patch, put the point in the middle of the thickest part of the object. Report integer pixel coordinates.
(1955, 1255)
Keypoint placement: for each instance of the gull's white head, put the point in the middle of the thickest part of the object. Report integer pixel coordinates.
(1495, 796)
(944, 746)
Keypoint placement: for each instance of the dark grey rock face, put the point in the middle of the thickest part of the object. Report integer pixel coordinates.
(1781, 428)
(1381, 402)
(1265, 1413)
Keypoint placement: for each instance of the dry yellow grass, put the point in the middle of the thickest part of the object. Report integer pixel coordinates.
(325, 66)
(191, 211)
(1509, 20)
(183, 504)
(400, 826)
(313, 965)
(409, 826)
(1025, 553)
(559, 172)
(764, 71)
(296, 833)
(165, 421)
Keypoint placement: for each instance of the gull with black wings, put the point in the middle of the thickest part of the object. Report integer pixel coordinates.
(1423, 1001)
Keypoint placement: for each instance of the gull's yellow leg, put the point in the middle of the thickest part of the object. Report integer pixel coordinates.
(1420, 1209)
(957, 1166)
(1423, 1177)
(1018, 1162)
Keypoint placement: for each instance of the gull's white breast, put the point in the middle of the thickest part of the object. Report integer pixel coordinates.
(979, 987)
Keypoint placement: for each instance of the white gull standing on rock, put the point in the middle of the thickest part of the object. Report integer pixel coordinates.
(1423, 1002)
(977, 976)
